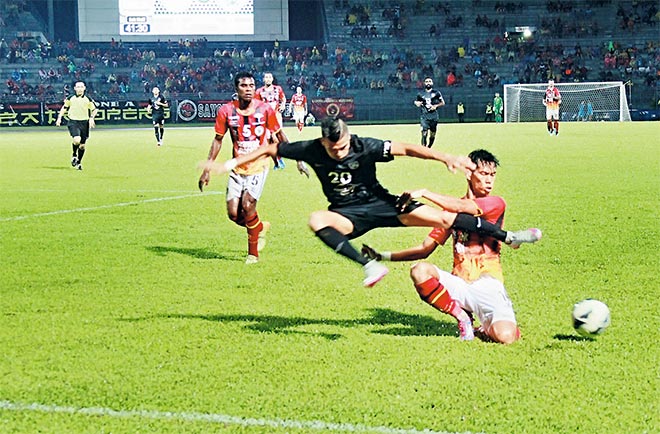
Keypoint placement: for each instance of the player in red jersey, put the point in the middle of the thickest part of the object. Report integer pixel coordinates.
(299, 103)
(551, 101)
(476, 281)
(273, 94)
(247, 120)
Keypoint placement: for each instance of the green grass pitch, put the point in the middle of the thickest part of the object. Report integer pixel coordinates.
(126, 306)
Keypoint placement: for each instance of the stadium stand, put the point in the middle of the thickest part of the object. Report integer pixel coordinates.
(377, 52)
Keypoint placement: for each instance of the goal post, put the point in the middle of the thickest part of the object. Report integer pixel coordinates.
(523, 102)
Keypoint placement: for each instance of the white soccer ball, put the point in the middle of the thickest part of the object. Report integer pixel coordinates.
(590, 317)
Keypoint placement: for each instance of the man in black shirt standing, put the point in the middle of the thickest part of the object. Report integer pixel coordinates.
(156, 109)
(429, 101)
(346, 167)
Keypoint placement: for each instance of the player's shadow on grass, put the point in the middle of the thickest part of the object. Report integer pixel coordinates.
(562, 337)
(58, 168)
(384, 321)
(195, 253)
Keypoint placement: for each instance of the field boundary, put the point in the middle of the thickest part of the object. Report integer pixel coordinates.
(114, 205)
(212, 418)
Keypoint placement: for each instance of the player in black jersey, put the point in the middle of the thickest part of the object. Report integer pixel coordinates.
(346, 167)
(156, 109)
(429, 101)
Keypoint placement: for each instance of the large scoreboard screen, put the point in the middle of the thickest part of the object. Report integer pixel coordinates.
(186, 17)
(152, 20)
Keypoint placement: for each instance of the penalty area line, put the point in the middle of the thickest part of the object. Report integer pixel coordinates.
(212, 418)
(113, 205)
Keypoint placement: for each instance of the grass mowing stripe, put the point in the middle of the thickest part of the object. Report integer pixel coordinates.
(94, 208)
(213, 418)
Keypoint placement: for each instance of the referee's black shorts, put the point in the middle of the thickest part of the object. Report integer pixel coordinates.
(376, 213)
(79, 128)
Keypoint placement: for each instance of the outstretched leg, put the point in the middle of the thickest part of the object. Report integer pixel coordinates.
(333, 229)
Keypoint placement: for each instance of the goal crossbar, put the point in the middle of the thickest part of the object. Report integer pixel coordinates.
(590, 101)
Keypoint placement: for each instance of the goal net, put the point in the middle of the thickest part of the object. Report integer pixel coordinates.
(605, 101)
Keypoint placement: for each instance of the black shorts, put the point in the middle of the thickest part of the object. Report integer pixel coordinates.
(158, 118)
(429, 124)
(79, 128)
(377, 213)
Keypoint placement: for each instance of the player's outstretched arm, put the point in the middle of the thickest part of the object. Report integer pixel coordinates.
(205, 177)
(302, 167)
(452, 162)
(218, 167)
(421, 251)
(448, 203)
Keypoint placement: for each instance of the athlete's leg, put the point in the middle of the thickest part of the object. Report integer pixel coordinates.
(76, 138)
(427, 282)
(504, 332)
(81, 153)
(433, 128)
(252, 223)
(425, 133)
(332, 228)
(235, 212)
(75, 144)
(433, 217)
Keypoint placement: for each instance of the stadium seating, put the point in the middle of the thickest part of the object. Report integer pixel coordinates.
(467, 36)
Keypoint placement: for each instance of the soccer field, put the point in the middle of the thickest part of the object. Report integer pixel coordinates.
(126, 306)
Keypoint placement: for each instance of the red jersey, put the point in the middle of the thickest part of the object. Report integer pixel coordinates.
(299, 102)
(248, 131)
(552, 98)
(273, 95)
(475, 254)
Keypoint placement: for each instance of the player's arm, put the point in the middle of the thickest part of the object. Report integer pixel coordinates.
(302, 167)
(92, 115)
(448, 203)
(440, 103)
(210, 165)
(163, 103)
(418, 101)
(421, 251)
(63, 110)
(452, 162)
(282, 106)
(216, 145)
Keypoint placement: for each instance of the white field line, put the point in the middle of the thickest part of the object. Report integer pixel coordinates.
(113, 205)
(56, 190)
(213, 418)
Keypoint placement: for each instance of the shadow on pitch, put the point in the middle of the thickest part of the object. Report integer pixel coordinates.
(58, 168)
(384, 321)
(575, 338)
(195, 253)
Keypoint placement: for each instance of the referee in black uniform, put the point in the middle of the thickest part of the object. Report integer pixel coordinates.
(82, 111)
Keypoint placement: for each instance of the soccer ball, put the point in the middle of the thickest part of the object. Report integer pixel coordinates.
(590, 317)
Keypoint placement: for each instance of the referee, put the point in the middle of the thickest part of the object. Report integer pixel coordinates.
(82, 111)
